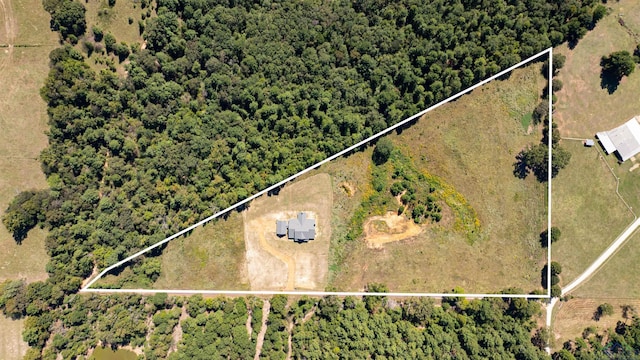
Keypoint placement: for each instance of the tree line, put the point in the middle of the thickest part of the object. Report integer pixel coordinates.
(329, 327)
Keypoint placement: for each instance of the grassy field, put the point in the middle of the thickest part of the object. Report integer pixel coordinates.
(586, 208)
(116, 19)
(471, 144)
(617, 279)
(212, 258)
(23, 121)
(574, 316)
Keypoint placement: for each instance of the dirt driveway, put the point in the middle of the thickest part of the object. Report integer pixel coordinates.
(275, 263)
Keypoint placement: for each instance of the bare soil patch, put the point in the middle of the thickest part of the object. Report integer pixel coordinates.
(390, 227)
(275, 263)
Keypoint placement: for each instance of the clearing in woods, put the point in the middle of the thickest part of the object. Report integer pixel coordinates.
(216, 254)
(275, 263)
(23, 121)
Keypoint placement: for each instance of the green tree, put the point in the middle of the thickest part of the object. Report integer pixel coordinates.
(382, 151)
(618, 64)
(24, 212)
(604, 309)
(109, 42)
(68, 17)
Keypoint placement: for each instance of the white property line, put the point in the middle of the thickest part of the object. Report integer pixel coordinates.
(86, 288)
(549, 169)
(309, 293)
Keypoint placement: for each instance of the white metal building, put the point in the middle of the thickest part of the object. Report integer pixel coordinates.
(625, 139)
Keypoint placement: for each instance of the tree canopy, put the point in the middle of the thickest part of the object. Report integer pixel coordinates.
(618, 64)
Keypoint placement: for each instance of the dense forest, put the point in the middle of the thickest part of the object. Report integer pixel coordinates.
(225, 98)
(330, 327)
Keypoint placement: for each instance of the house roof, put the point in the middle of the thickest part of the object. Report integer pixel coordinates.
(301, 228)
(606, 142)
(281, 228)
(625, 139)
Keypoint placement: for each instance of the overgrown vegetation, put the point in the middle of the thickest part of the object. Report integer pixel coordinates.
(618, 343)
(421, 195)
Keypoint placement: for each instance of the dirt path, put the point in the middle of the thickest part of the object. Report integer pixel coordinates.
(263, 329)
(289, 348)
(291, 264)
(10, 29)
(248, 324)
(176, 335)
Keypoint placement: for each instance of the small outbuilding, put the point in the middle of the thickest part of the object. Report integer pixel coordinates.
(299, 229)
(589, 143)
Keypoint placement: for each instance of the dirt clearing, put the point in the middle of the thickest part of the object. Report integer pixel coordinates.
(391, 227)
(275, 263)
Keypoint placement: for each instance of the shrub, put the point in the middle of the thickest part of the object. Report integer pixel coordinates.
(556, 85)
(109, 42)
(97, 33)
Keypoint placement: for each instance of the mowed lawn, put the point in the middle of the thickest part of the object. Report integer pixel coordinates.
(618, 278)
(23, 121)
(471, 144)
(584, 107)
(211, 258)
(586, 208)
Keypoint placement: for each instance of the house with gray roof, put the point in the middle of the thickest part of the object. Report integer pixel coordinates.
(299, 229)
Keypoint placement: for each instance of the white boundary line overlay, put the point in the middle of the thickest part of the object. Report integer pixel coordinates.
(87, 288)
(549, 168)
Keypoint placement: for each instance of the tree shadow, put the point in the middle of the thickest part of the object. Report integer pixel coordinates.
(543, 277)
(19, 235)
(572, 43)
(544, 240)
(520, 169)
(609, 81)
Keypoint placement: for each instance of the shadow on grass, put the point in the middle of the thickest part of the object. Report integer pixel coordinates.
(609, 81)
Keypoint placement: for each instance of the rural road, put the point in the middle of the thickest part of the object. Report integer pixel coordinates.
(622, 238)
